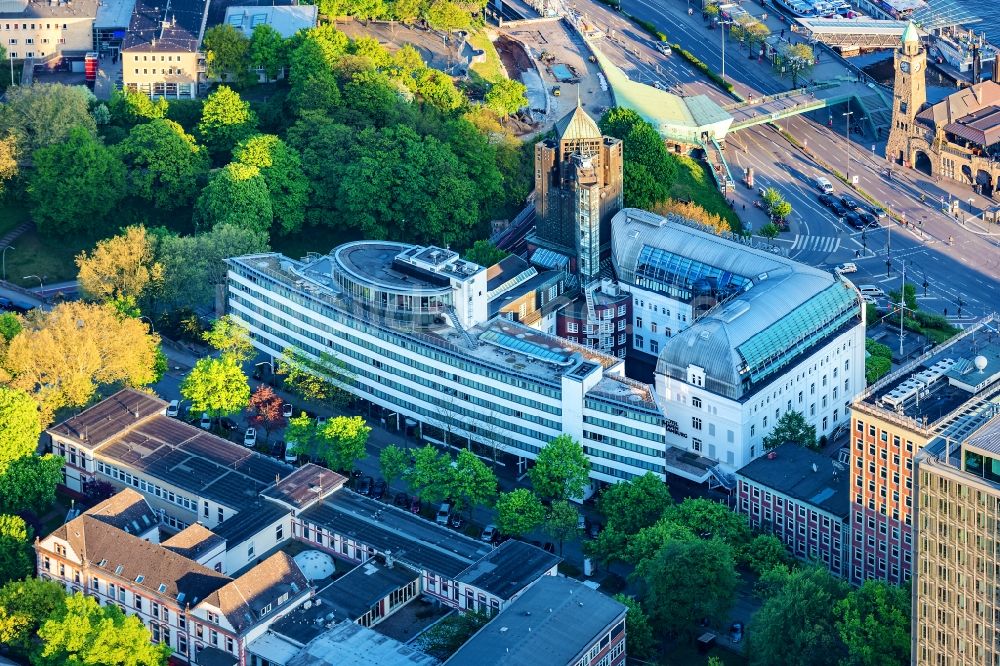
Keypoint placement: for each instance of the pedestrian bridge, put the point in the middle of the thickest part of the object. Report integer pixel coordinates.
(863, 34)
(758, 111)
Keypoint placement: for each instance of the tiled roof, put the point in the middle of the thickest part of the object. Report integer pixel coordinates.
(193, 541)
(243, 599)
(126, 510)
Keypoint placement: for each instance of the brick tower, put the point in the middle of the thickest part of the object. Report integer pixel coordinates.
(909, 95)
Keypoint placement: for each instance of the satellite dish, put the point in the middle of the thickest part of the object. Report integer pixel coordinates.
(981, 363)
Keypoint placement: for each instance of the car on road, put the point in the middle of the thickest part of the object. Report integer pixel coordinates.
(250, 437)
(206, 421)
(416, 505)
(365, 485)
(871, 290)
(489, 533)
(827, 199)
(443, 514)
(870, 300)
(837, 209)
(174, 408)
(401, 500)
(849, 267)
(287, 410)
(853, 219)
(378, 490)
(879, 213)
(849, 203)
(868, 219)
(664, 48)
(823, 184)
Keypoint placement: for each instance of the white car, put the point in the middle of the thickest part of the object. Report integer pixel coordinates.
(846, 268)
(664, 48)
(173, 408)
(250, 438)
(291, 452)
(287, 409)
(870, 300)
(206, 421)
(489, 533)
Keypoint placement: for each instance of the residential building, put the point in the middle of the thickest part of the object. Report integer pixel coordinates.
(45, 30)
(417, 344)
(160, 52)
(803, 498)
(599, 318)
(523, 293)
(740, 336)
(557, 622)
(892, 420)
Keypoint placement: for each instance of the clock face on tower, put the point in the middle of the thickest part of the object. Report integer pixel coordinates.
(916, 66)
(904, 67)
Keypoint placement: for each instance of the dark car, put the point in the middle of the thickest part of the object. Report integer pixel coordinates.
(378, 491)
(278, 450)
(415, 505)
(826, 199)
(456, 521)
(837, 209)
(229, 424)
(365, 485)
(401, 499)
(868, 219)
(736, 632)
(849, 203)
(853, 219)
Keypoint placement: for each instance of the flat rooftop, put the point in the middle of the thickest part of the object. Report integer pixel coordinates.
(304, 486)
(410, 539)
(348, 644)
(107, 419)
(29, 9)
(114, 14)
(286, 20)
(804, 475)
(552, 622)
(509, 568)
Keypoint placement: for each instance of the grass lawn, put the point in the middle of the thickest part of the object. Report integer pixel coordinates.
(312, 239)
(491, 70)
(56, 515)
(696, 184)
(52, 259)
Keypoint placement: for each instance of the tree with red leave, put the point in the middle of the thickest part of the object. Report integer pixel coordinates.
(264, 411)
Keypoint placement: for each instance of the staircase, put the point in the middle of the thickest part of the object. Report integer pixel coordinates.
(453, 316)
(719, 478)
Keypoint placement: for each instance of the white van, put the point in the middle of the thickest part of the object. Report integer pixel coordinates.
(823, 185)
(870, 290)
(443, 514)
(173, 408)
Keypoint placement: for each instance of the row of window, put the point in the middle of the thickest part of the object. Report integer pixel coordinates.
(147, 486)
(25, 26)
(29, 41)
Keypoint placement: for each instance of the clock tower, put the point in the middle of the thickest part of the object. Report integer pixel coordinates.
(909, 94)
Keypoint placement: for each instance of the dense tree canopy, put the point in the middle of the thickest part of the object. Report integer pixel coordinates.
(268, 51)
(230, 337)
(650, 169)
(29, 484)
(281, 168)
(792, 428)
(165, 165)
(631, 505)
(393, 462)
(225, 121)
(506, 97)
(24, 606)
(120, 267)
(44, 114)
(342, 441)
(519, 512)
(873, 621)
(227, 52)
(20, 426)
(216, 386)
(561, 469)
(236, 195)
(17, 559)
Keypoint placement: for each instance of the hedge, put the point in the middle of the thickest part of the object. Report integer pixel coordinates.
(703, 68)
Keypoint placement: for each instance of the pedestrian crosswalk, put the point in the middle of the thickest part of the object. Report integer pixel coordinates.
(826, 244)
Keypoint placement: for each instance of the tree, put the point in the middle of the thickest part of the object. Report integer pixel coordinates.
(24, 606)
(641, 640)
(216, 386)
(631, 505)
(878, 359)
(300, 435)
(796, 624)
(687, 581)
(648, 541)
(62, 356)
(393, 462)
(45, 114)
(10, 325)
(448, 16)
(561, 469)
(445, 637)
(281, 168)
(693, 211)
(120, 267)
(343, 441)
(438, 89)
(231, 338)
(769, 231)
(764, 552)
(485, 253)
(649, 168)
(227, 53)
(313, 87)
(796, 59)
(874, 623)
(225, 121)
(236, 195)
(519, 512)
(8, 160)
(711, 519)
(265, 410)
(268, 51)
(315, 380)
(909, 297)
(83, 632)
(20, 426)
(506, 97)
(17, 559)
(165, 165)
(29, 484)
(473, 482)
(791, 427)
(430, 476)
(562, 522)
(76, 185)
(131, 107)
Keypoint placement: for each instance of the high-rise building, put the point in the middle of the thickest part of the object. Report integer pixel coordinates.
(578, 188)
(891, 422)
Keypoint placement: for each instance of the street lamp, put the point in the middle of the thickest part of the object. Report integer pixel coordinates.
(847, 138)
(41, 285)
(151, 327)
(9, 247)
(722, 32)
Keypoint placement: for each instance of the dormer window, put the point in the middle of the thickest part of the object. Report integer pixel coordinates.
(140, 578)
(162, 588)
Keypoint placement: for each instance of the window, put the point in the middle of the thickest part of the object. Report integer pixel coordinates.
(638, 322)
(279, 533)
(654, 346)
(250, 551)
(696, 423)
(639, 341)
(652, 327)
(696, 445)
(696, 402)
(572, 327)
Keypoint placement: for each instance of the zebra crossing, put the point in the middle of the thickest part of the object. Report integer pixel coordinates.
(827, 244)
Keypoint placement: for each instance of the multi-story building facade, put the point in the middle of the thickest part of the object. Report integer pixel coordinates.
(891, 421)
(43, 29)
(956, 612)
(740, 335)
(160, 52)
(599, 319)
(801, 497)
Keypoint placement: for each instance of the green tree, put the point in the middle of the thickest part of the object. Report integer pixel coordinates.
(506, 97)
(46, 114)
(17, 559)
(791, 427)
(225, 121)
(631, 505)
(764, 552)
(24, 606)
(268, 51)
(562, 522)
(445, 637)
(769, 231)
(649, 168)
(281, 168)
(878, 358)
(343, 441)
(29, 484)
(874, 623)
(236, 195)
(909, 297)
(231, 338)
(10, 325)
(781, 210)
(131, 107)
(315, 380)
(797, 623)
(519, 512)
(641, 640)
(711, 519)
(473, 482)
(20, 426)
(84, 632)
(687, 581)
(448, 16)
(797, 60)
(393, 462)
(227, 52)
(120, 268)
(648, 541)
(438, 89)
(216, 386)
(430, 476)
(561, 469)
(301, 436)
(76, 186)
(9, 167)
(313, 87)
(485, 253)
(165, 165)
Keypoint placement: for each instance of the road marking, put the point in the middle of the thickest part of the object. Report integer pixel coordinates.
(828, 244)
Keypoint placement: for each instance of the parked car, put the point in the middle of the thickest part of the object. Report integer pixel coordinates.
(416, 505)
(366, 485)
(291, 453)
(581, 522)
(206, 421)
(849, 267)
(595, 530)
(173, 408)
(837, 209)
(443, 514)
(378, 491)
(489, 533)
(401, 500)
(823, 184)
(287, 410)
(853, 219)
(229, 424)
(250, 437)
(826, 199)
(871, 290)
(849, 203)
(455, 521)
(278, 449)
